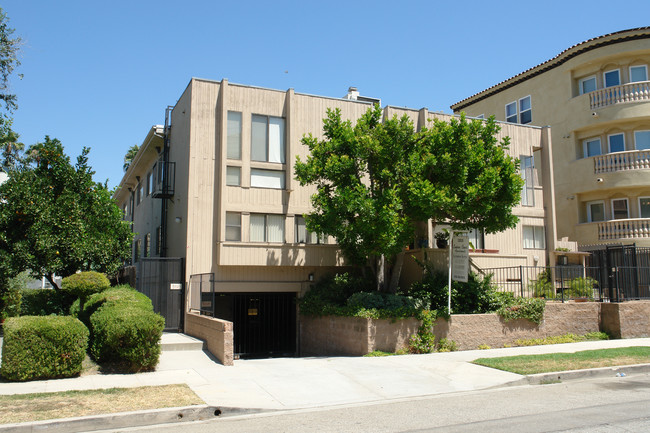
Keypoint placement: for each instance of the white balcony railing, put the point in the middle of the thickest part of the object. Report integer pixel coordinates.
(618, 161)
(624, 229)
(630, 92)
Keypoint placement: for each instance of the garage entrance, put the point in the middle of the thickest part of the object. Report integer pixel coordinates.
(264, 324)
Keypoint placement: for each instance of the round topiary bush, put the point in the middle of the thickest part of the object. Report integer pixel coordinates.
(85, 284)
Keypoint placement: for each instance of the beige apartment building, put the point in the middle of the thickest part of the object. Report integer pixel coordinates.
(596, 97)
(215, 187)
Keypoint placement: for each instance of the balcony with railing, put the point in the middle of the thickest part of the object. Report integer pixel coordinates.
(624, 229)
(630, 92)
(619, 161)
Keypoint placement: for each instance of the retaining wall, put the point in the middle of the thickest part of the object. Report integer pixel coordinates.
(626, 319)
(217, 334)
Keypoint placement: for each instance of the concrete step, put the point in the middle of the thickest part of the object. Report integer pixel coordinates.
(176, 341)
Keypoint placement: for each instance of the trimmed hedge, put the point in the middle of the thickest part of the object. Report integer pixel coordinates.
(124, 294)
(126, 336)
(43, 347)
(44, 302)
(84, 284)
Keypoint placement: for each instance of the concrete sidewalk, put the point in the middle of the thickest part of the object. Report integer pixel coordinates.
(294, 383)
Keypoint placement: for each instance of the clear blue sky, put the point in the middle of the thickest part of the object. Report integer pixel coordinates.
(100, 73)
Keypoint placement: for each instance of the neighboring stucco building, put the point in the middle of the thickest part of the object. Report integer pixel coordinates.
(596, 98)
(216, 187)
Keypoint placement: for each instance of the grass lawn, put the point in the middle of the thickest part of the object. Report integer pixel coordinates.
(532, 364)
(35, 407)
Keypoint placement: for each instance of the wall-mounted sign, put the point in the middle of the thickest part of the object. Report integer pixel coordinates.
(175, 286)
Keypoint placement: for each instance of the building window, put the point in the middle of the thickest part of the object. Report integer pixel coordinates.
(511, 112)
(233, 176)
(595, 211)
(304, 236)
(620, 209)
(234, 135)
(527, 168)
(149, 182)
(476, 239)
(612, 78)
(147, 245)
(591, 147)
(638, 73)
(642, 140)
(534, 237)
(588, 84)
(644, 207)
(136, 252)
(616, 142)
(267, 178)
(158, 241)
(267, 228)
(233, 226)
(525, 111)
(267, 139)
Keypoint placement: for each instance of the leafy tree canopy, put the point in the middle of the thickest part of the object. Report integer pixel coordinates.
(376, 179)
(9, 48)
(55, 220)
(128, 157)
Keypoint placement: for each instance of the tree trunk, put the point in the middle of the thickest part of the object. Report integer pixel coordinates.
(381, 273)
(50, 278)
(396, 272)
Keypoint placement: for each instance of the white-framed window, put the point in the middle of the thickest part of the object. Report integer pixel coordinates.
(525, 110)
(476, 239)
(616, 142)
(511, 112)
(612, 78)
(147, 245)
(267, 139)
(620, 209)
(588, 85)
(641, 140)
(534, 237)
(595, 211)
(527, 167)
(233, 226)
(267, 228)
(591, 147)
(644, 207)
(233, 176)
(638, 73)
(233, 149)
(273, 179)
(304, 236)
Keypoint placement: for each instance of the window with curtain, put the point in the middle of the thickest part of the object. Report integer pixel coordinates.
(620, 209)
(267, 178)
(233, 226)
(233, 150)
(534, 237)
(304, 236)
(595, 211)
(267, 139)
(267, 228)
(527, 166)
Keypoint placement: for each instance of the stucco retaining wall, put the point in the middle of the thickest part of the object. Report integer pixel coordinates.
(626, 319)
(217, 334)
(356, 336)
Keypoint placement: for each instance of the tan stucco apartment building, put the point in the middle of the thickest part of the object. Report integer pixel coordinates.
(596, 97)
(215, 186)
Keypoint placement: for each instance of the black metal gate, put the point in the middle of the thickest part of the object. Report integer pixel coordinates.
(264, 324)
(623, 271)
(161, 279)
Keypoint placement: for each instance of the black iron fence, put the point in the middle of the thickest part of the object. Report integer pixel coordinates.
(599, 283)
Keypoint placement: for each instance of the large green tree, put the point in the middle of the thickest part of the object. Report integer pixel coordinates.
(376, 179)
(54, 219)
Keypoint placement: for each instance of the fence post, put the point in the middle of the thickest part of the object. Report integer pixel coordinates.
(521, 279)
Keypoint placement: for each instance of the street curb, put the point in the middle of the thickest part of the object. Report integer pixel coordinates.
(561, 376)
(126, 419)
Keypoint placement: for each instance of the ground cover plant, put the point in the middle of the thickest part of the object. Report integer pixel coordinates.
(34, 407)
(533, 364)
(560, 339)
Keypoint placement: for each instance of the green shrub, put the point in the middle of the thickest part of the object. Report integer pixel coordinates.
(380, 301)
(330, 293)
(115, 295)
(11, 298)
(424, 341)
(43, 347)
(542, 287)
(524, 308)
(582, 287)
(126, 336)
(446, 345)
(45, 302)
(84, 284)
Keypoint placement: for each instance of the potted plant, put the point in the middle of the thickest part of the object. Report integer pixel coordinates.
(442, 238)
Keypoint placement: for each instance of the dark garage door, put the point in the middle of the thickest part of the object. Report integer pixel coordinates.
(264, 324)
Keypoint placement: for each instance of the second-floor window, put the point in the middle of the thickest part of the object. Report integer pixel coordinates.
(588, 84)
(527, 167)
(595, 211)
(642, 140)
(519, 111)
(233, 226)
(620, 209)
(644, 207)
(616, 142)
(233, 150)
(267, 139)
(267, 228)
(612, 78)
(534, 237)
(638, 73)
(591, 147)
(304, 236)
